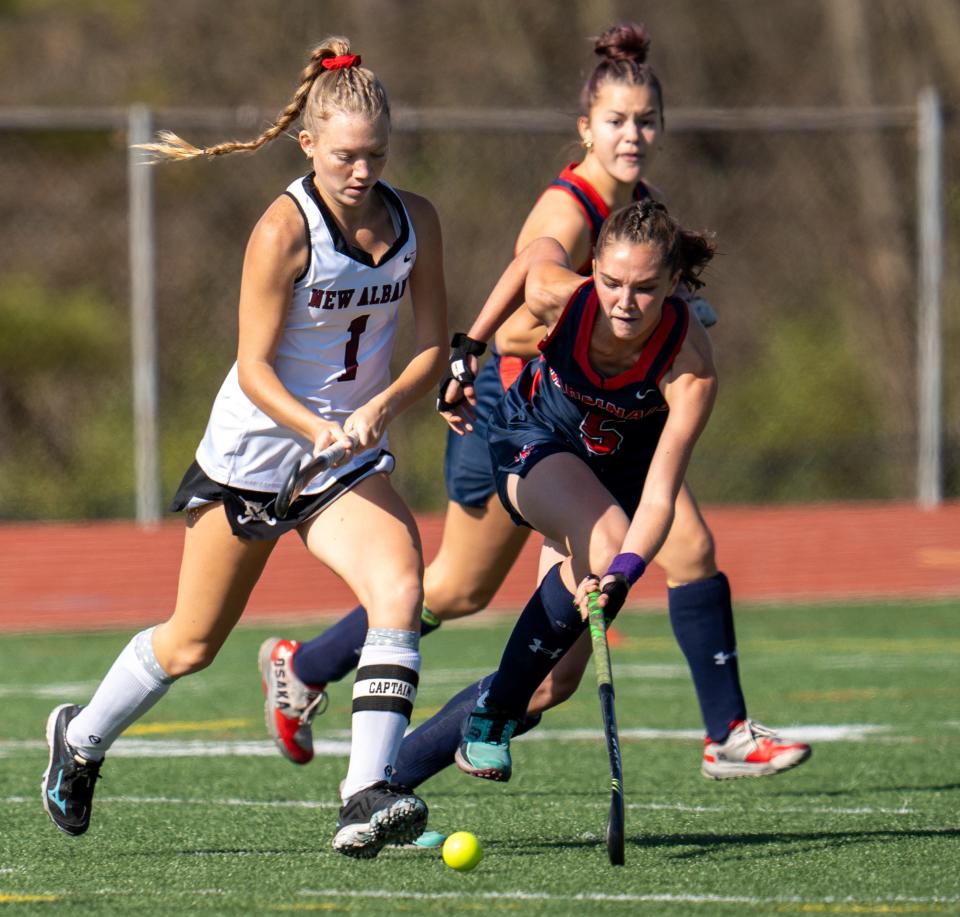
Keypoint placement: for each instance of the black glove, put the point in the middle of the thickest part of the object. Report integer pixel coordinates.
(462, 346)
(616, 593)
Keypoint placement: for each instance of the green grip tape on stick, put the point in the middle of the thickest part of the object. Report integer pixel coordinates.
(598, 636)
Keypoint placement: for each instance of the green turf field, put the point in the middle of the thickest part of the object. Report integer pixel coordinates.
(195, 814)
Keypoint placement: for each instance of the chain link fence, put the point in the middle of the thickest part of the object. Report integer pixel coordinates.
(816, 286)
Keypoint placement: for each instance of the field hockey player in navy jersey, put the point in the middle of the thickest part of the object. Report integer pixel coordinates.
(608, 418)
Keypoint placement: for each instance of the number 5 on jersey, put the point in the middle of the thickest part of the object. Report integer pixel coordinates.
(600, 434)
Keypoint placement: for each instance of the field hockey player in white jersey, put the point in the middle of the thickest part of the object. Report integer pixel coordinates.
(324, 272)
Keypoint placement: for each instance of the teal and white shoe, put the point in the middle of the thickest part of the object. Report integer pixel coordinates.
(484, 749)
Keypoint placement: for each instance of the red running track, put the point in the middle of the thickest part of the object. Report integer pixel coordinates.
(56, 576)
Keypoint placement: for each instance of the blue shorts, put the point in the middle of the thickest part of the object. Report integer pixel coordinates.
(467, 467)
(518, 443)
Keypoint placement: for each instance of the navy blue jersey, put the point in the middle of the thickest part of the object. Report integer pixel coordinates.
(467, 470)
(561, 404)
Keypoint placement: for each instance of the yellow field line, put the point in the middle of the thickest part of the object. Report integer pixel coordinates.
(153, 729)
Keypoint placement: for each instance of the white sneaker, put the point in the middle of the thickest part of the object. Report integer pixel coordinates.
(290, 704)
(750, 750)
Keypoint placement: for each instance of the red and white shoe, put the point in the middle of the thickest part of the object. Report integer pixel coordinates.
(751, 750)
(291, 704)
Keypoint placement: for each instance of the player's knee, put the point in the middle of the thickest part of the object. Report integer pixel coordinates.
(473, 597)
(452, 597)
(187, 658)
(693, 558)
(395, 598)
(701, 551)
(605, 542)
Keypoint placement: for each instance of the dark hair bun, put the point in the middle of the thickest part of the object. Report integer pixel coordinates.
(626, 41)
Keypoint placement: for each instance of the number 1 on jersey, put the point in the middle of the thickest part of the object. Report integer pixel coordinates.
(356, 328)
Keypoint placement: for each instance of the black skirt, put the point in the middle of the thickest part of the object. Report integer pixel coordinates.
(250, 512)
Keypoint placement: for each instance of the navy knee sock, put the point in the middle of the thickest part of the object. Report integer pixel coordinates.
(335, 653)
(545, 630)
(431, 746)
(701, 614)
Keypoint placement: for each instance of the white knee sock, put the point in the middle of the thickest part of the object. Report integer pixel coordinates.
(383, 696)
(133, 685)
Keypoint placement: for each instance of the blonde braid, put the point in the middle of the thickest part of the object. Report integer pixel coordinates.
(169, 146)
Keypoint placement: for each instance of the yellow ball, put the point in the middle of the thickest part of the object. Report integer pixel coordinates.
(461, 851)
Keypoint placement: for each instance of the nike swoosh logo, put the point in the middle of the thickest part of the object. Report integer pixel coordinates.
(54, 795)
(408, 257)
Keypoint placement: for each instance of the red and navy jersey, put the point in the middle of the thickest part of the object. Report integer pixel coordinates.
(612, 423)
(594, 207)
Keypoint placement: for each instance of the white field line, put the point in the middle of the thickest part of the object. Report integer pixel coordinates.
(601, 896)
(59, 691)
(789, 902)
(439, 806)
(338, 743)
(80, 691)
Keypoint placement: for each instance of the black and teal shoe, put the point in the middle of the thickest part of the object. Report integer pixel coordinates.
(69, 780)
(484, 749)
(382, 814)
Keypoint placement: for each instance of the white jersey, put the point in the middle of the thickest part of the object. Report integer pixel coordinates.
(333, 355)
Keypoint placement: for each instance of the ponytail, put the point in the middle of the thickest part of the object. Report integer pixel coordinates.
(332, 80)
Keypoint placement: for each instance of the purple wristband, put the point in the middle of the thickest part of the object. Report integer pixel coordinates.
(630, 565)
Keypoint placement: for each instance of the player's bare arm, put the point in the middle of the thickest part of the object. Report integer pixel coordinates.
(557, 216)
(276, 254)
(690, 390)
(506, 297)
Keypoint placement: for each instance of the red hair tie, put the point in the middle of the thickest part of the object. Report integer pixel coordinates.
(339, 63)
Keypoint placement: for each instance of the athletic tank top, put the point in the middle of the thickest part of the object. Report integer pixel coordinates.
(594, 207)
(596, 211)
(333, 354)
(615, 420)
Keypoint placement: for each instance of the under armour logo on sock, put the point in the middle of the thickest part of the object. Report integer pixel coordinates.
(722, 657)
(538, 647)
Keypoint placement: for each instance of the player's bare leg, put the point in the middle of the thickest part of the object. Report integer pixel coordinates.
(370, 539)
(589, 527)
(217, 573)
(688, 554)
(478, 547)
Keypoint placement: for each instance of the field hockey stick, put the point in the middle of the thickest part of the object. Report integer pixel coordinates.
(299, 477)
(601, 658)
